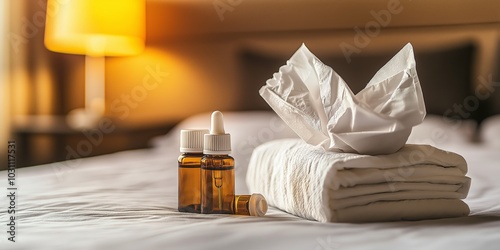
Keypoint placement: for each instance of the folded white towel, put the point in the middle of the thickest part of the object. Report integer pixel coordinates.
(417, 182)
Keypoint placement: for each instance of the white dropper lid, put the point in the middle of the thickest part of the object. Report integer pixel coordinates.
(217, 142)
(192, 140)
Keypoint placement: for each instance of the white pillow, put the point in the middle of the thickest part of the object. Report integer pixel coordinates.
(441, 131)
(490, 131)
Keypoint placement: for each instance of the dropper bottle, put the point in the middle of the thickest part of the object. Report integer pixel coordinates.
(217, 170)
(189, 162)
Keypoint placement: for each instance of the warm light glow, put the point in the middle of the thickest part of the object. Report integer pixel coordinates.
(96, 27)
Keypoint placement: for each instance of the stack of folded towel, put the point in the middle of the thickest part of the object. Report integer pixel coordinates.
(417, 182)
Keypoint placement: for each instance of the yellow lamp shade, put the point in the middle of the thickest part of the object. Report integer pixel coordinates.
(96, 27)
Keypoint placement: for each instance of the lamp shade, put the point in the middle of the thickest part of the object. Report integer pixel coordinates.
(96, 27)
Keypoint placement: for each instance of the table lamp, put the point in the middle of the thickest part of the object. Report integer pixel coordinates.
(94, 28)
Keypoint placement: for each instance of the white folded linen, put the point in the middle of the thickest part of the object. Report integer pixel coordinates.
(417, 182)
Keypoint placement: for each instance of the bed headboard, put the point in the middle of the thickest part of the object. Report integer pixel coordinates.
(438, 70)
(453, 82)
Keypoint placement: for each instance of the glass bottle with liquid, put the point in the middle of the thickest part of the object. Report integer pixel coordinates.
(253, 205)
(217, 170)
(189, 162)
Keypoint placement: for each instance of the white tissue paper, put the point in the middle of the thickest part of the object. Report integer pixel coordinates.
(319, 106)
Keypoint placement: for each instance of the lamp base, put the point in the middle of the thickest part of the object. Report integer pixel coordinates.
(83, 119)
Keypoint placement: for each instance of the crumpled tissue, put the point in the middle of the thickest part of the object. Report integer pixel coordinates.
(320, 107)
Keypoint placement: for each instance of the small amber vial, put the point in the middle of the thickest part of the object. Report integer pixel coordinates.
(189, 162)
(253, 205)
(217, 170)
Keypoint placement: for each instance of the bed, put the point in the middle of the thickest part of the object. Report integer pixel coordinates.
(128, 200)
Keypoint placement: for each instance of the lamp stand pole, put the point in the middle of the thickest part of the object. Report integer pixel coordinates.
(88, 117)
(94, 84)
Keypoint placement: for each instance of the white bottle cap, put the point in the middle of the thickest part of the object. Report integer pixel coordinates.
(217, 142)
(192, 140)
(257, 205)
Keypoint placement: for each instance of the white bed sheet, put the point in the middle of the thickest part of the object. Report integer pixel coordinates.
(128, 200)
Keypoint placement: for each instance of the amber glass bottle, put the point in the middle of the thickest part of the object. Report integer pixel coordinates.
(253, 205)
(217, 170)
(189, 163)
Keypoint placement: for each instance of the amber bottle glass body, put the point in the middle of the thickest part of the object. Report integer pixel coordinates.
(189, 182)
(240, 205)
(217, 184)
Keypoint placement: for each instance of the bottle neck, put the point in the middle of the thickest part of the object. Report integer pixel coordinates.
(192, 153)
(216, 155)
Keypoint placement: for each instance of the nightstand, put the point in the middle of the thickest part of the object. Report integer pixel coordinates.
(46, 139)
